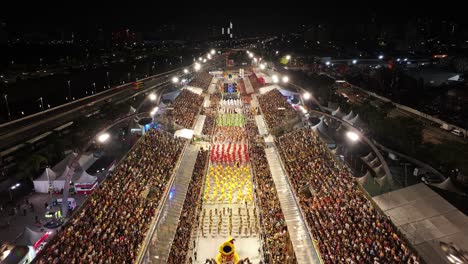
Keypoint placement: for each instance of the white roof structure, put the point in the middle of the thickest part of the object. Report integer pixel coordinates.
(357, 121)
(264, 76)
(427, 220)
(447, 185)
(364, 178)
(184, 133)
(338, 113)
(368, 158)
(194, 89)
(349, 116)
(374, 163)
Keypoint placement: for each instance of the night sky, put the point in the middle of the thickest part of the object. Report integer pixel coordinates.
(81, 15)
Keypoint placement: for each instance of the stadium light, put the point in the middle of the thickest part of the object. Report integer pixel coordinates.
(175, 79)
(288, 57)
(285, 79)
(352, 136)
(197, 66)
(204, 60)
(307, 95)
(275, 78)
(208, 56)
(251, 55)
(154, 111)
(152, 96)
(327, 63)
(262, 66)
(200, 58)
(354, 61)
(381, 57)
(103, 137)
(186, 71)
(213, 52)
(276, 52)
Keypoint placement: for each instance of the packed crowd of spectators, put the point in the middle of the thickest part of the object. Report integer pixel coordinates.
(348, 228)
(277, 243)
(276, 110)
(210, 114)
(184, 110)
(202, 80)
(114, 221)
(181, 244)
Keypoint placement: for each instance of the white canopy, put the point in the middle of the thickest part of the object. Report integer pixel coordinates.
(60, 167)
(86, 161)
(374, 163)
(194, 89)
(85, 178)
(184, 133)
(41, 184)
(59, 183)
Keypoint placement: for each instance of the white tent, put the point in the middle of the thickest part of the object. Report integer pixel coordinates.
(42, 183)
(349, 116)
(29, 237)
(379, 171)
(266, 89)
(59, 183)
(85, 178)
(86, 161)
(364, 178)
(194, 89)
(60, 167)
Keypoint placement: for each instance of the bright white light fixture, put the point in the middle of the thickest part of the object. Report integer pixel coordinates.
(204, 60)
(327, 63)
(275, 78)
(285, 79)
(154, 111)
(209, 56)
(288, 57)
(200, 58)
(354, 61)
(251, 55)
(352, 135)
(152, 96)
(103, 137)
(185, 71)
(307, 95)
(197, 66)
(213, 52)
(262, 66)
(380, 57)
(175, 79)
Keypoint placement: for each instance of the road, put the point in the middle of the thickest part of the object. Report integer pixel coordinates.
(23, 129)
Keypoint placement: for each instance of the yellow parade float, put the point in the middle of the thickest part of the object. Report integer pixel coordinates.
(227, 253)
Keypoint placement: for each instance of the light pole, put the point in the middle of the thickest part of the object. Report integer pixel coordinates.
(7, 106)
(42, 103)
(94, 85)
(12, 188)
(108, 82)
(69, 90)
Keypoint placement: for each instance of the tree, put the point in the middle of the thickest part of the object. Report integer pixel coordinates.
(29, 165)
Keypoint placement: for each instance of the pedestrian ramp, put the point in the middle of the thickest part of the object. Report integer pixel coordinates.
(300, 237)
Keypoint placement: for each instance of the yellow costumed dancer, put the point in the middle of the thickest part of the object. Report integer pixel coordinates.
(227, 253)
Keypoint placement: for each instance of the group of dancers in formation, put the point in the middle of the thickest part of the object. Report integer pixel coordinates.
(245, 222)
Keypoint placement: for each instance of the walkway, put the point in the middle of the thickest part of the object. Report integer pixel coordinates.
(262, 130)
(248, 86)
(161, 241)
(300, 237)
(197, 131)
